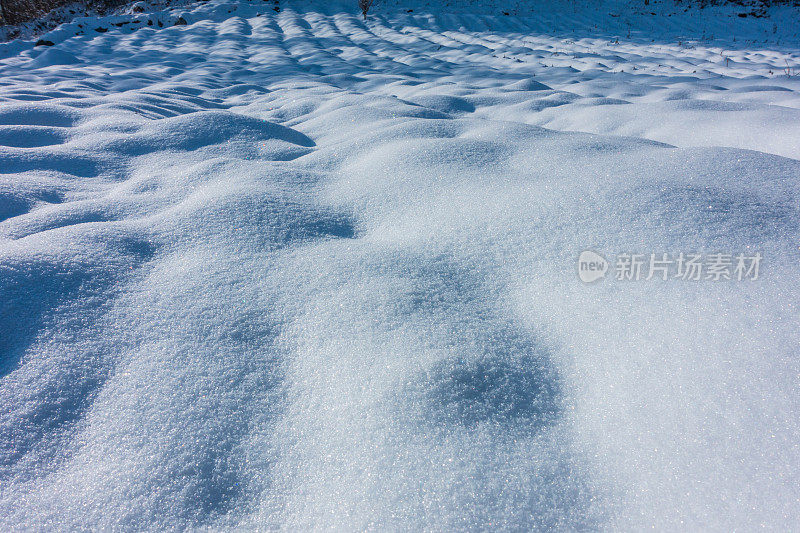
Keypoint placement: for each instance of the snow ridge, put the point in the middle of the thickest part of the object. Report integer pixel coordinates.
(294, 270)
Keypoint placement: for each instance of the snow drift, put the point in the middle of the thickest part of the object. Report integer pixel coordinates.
(291, 270)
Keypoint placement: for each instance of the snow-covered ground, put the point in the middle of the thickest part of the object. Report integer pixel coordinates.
(287, 269)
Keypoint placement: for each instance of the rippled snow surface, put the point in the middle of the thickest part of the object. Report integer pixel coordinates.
(291, 270)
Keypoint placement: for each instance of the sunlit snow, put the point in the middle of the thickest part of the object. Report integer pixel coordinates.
(288, 269)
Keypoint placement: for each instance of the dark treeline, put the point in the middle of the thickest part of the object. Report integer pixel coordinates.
(18, 11)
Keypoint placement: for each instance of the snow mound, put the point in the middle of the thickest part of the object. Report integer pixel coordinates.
(288, 269)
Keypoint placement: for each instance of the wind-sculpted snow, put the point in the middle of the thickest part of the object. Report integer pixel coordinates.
(293, 270)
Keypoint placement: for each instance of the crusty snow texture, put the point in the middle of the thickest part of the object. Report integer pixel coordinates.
(293, 270)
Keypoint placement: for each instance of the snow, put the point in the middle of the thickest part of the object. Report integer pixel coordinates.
(293, 270)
